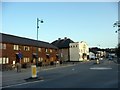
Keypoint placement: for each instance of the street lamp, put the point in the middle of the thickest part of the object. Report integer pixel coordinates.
(41, 21)
(117, 24)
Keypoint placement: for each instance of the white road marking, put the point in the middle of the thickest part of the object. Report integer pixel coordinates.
(73, 69)
(22, 84)
(100, 68)
(57, 67)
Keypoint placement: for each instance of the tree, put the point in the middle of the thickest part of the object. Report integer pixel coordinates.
(118, 53)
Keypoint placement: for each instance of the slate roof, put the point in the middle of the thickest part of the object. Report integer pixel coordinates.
(24, 41)
(62, 43)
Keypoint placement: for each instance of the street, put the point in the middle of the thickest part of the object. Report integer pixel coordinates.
(78, 75)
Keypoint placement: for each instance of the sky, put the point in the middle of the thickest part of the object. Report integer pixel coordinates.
(91, 22)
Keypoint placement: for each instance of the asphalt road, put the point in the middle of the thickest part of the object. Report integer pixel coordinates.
(80, 75)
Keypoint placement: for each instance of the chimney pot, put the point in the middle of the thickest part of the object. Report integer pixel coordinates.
(59, 38)
(65, 38)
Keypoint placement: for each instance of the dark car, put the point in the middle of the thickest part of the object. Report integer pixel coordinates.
(110, 58)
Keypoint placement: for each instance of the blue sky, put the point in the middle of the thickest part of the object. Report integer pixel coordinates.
(80, 21)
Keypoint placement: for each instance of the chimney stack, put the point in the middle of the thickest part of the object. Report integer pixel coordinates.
(59, 38)
(65, 38)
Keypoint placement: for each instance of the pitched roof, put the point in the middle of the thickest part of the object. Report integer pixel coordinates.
(62, 43)
(24, 41)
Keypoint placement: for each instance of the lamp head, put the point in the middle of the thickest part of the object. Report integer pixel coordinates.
(41, 21)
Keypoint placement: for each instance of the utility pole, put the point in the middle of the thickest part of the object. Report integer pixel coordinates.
(41, 21)
(33, 67)
(117, 24)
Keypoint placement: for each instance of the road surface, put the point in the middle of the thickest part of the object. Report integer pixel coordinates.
(80, 75)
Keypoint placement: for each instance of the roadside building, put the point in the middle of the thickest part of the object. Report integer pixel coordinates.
(79, 51)
(101, 54)
(63, 45)
(92, 56)
(12, 47)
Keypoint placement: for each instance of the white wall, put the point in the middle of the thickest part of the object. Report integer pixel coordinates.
(83, 49)
(74, 52)
(77, 49)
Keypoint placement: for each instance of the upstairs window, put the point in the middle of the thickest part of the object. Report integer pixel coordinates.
(16, 47)
(39, 49)
(0, 60)
(2, 46)
(51, 50)
(26, 48)
(46, 50)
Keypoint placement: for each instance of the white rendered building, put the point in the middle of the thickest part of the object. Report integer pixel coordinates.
(79, 51)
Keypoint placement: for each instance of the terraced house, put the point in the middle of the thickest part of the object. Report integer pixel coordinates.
(31, 51)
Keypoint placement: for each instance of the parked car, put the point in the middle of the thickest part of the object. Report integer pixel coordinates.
(100, 58)
(92, 57)
(110, 58)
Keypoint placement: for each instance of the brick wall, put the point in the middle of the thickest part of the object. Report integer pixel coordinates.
(10, 53)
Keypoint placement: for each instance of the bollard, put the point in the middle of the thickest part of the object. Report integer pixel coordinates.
(34, 71)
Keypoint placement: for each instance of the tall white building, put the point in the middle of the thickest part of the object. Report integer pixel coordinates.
(79, 51)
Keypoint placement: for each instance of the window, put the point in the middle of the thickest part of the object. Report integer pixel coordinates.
(46, 50)
(51, 50)
(61, 54)
(4, 60)
(13, 62)
(40, 59)
(16, 47)
(26, 48)
(2, 46)
(26, 60)
(39, 49)
(0, 60)
(47, 56)
(7, 60)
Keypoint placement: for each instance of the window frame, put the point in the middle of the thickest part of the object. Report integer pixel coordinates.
(2, 45)
(15, 47)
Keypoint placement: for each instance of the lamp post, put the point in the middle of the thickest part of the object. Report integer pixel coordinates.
(41, 21)
(117, 24)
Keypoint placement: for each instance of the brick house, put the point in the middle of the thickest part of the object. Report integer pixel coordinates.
(11, 45)
(63, 45)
